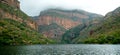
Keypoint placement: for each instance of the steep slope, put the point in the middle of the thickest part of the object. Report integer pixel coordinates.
(66, 19)
(73, 33)
(17, 28)
(109, 31)
(52, 31)
(81, 31)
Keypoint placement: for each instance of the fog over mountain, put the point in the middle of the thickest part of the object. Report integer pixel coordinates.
(33, 7)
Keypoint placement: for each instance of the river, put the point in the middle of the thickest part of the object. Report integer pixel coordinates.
(65, 49)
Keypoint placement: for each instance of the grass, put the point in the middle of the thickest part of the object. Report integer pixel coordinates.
(15, 33)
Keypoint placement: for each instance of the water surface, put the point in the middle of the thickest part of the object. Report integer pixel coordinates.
(69, 49)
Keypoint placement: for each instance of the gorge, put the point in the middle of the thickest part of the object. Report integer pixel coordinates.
(57, 26)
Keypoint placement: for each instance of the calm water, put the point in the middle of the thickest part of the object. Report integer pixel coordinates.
(70, 49)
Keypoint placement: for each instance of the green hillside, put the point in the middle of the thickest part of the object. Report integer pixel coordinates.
(16, 33)
(71, 34)
(109, 31)
(106, 31)
(80, 32)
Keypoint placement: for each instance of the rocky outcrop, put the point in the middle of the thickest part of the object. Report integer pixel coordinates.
(108, 32)
(64, 18)
(65, 22)
(10, 9)
(10, 16)
(17, 28)
(13, 3)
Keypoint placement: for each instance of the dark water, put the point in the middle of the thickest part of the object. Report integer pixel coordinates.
(70, 49)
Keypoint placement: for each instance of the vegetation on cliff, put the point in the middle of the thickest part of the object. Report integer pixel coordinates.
(13, 11)
(13, 32)
(73, 33)
(109, 31)
(71, 20)
(69, 26)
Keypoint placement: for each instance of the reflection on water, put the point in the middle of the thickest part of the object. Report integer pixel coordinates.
(70, 49)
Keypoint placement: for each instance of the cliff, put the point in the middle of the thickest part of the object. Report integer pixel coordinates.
(109, 30)
(16, 28)
(66, 19)
(66, 23)
(13, 3)
(13, 12)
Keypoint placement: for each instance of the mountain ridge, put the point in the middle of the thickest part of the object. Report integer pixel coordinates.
(108, 32)
(65, 18)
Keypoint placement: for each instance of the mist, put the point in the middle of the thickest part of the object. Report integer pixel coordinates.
(34, 7)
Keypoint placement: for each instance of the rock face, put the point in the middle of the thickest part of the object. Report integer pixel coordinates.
(109, 30)
(66, 19)
(16, 28)
(13, 3)
(15, 14)
(66, 23)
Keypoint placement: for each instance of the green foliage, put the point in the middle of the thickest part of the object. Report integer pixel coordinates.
(110, 38)
(107, 33)
(15, 33)
(13, 11)
(72, 34)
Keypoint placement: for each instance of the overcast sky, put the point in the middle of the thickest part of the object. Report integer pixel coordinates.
(33, 7)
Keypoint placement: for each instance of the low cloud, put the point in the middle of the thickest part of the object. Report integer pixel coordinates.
(34, 7)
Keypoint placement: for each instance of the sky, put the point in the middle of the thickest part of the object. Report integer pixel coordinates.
(34, 7)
